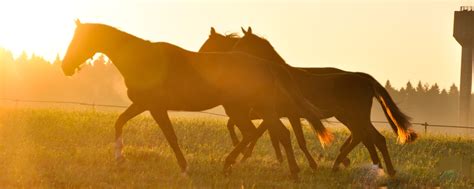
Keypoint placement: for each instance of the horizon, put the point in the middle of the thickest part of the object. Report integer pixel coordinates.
(420, 38)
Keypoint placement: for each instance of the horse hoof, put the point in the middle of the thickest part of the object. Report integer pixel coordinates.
(313, 166)
(380, 166)
(346, 162)
(391, 173)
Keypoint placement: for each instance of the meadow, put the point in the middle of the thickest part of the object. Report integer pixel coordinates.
(57, 148)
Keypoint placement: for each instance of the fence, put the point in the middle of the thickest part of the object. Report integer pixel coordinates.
(425, 125)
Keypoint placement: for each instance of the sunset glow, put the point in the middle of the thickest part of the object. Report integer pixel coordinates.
(178, 93)
(370, 36)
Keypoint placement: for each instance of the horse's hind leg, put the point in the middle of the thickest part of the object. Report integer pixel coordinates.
(276, 146)
(346, 161)
(275, 142)
(132, 111)
(276, 128)
(249, 133)
(161, 117)
(369, 144)
(381, 144)
(355, 139)
(361, 125)
(296, 124)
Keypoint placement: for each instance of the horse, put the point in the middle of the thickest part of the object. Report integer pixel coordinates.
(161, 76)
(347, 96)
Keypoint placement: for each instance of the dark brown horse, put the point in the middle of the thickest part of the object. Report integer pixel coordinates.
(161, 76)
(344, 95)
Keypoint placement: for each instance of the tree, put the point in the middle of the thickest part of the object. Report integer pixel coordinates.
(390, 89)
(403, 91)
(444, 93)
(420, 88)
(388, 85)
(434, 90)
(409, 88)
(453, 90)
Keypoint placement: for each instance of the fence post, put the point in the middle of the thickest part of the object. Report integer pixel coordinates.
(426, 127)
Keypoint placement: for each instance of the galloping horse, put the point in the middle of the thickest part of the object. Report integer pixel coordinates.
(344, 95)
(161, 76)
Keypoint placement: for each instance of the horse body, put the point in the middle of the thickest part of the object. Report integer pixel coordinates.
(162, 76)
(205, 79)
(345, 95)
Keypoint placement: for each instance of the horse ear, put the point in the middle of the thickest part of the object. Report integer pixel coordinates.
(243, 30)
(213, 31)
(78, 22)
(249, 30)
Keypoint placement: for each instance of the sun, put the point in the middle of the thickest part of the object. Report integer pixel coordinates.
(40, 27)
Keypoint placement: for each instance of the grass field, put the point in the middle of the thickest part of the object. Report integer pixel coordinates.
(52, 148)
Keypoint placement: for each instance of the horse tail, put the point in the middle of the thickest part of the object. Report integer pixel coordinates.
(304, 107)
(399, 121)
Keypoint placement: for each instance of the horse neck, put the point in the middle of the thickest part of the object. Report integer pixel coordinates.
(117, 46)
(275, 58)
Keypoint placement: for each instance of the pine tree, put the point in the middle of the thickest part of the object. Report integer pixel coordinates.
(453, 90)
(388, 85)
(444, 92)
(390, 89)
(434, 90)
(409, 90)
(420, 88)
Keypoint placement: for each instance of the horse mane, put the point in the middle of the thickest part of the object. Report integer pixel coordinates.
(233, 35)
(110, 29)
(103, 28)
(272, 48)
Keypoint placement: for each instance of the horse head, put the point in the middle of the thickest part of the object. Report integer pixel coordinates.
(257, 46)
(80, 49)
(218, 42)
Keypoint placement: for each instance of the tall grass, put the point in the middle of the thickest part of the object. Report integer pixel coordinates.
(52, 148)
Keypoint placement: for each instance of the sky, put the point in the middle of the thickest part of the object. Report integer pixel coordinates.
(403, 40)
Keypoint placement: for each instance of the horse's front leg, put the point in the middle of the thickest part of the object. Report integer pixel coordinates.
(161, 117)
(132, 111)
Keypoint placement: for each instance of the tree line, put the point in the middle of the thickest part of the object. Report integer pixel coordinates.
(33, 77)
(425, 102)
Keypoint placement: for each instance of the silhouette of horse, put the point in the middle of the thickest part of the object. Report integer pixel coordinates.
(346, 96)
(161, 76)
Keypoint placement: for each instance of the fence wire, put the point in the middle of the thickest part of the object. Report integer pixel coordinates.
(424, 124)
